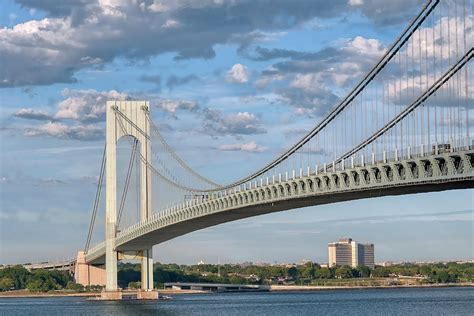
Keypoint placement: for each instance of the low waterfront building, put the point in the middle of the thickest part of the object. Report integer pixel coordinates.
(216, 287)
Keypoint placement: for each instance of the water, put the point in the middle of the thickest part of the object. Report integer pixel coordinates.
(427, 301)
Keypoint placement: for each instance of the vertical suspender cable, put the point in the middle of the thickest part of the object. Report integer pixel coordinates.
(127, 181)
(96, 201)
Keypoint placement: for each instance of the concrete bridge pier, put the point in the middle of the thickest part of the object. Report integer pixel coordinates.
(147, 291)
(147, 270)
(88, 274)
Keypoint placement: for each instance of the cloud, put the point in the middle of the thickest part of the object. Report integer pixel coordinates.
(76, 116)
(308, 96)
(79, 34)
(31, 114)
(172, 106)
(238, 74)
(79, 114)
(55, 8)
(263, 54)
(347, 60)
(170, 23)
(385, 13)
(87, 105)
(241, 123)
(174, 81)
(313, 151)
(251, 147)
(154, 79)
(60, 130)
(356, 2)
(313, 77)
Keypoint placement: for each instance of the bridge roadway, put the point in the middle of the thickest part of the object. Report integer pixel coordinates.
(67, 265)
(424, 173)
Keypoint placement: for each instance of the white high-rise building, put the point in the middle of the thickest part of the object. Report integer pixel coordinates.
(347, 252)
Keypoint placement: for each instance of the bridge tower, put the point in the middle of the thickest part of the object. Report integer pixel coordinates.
(126, 118)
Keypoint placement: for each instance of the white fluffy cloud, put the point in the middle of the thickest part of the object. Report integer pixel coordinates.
(238, 74)
(241, 123)
(356, 2)
(61, 130)
(31, 114)
(78, 105)
(252, 147)
(86, 105)
(171, 106)
(76, 116)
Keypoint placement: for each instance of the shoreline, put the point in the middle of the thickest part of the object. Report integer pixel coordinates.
(273, 288)
(302, 288)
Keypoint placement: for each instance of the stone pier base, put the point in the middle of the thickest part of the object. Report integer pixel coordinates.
(111, 295)
(129, 295)
(87, 274)
(147, 295)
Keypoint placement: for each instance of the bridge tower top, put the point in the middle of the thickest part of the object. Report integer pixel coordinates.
(134, 115)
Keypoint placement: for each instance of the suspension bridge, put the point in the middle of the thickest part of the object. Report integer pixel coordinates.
(405, 128)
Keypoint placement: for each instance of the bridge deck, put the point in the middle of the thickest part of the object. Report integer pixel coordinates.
(411, 175)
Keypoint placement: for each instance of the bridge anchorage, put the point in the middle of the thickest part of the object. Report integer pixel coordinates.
(405, 128)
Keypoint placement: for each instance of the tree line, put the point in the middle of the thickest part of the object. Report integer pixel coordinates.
(17, 277)
(296, 274)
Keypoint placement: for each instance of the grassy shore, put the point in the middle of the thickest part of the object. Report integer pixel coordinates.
(273, 288)
(289, 288)
(26, 293)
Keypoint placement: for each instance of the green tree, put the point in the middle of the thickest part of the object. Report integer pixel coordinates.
(308, 272)
(363, 271)
(293, 273)
(134, 285)
(6, 284)
(323, 273)
(128, 274)
(442, 276)
(237, 279)
(76, 287)
(43, 281)
(344, 272)
(35, 286)
(18, 274)
(425, 270)
(380, 272)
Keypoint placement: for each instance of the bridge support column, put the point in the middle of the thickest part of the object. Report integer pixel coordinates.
(147, 270)
(111, 200)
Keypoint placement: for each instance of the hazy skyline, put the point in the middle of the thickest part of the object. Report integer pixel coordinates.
(231, 84)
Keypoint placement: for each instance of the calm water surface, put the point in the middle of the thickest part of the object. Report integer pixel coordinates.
(440, 301)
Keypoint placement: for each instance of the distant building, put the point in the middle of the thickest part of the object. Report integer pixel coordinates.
(347, 252)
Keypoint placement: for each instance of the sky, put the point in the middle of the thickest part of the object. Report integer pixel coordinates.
(231, 86)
